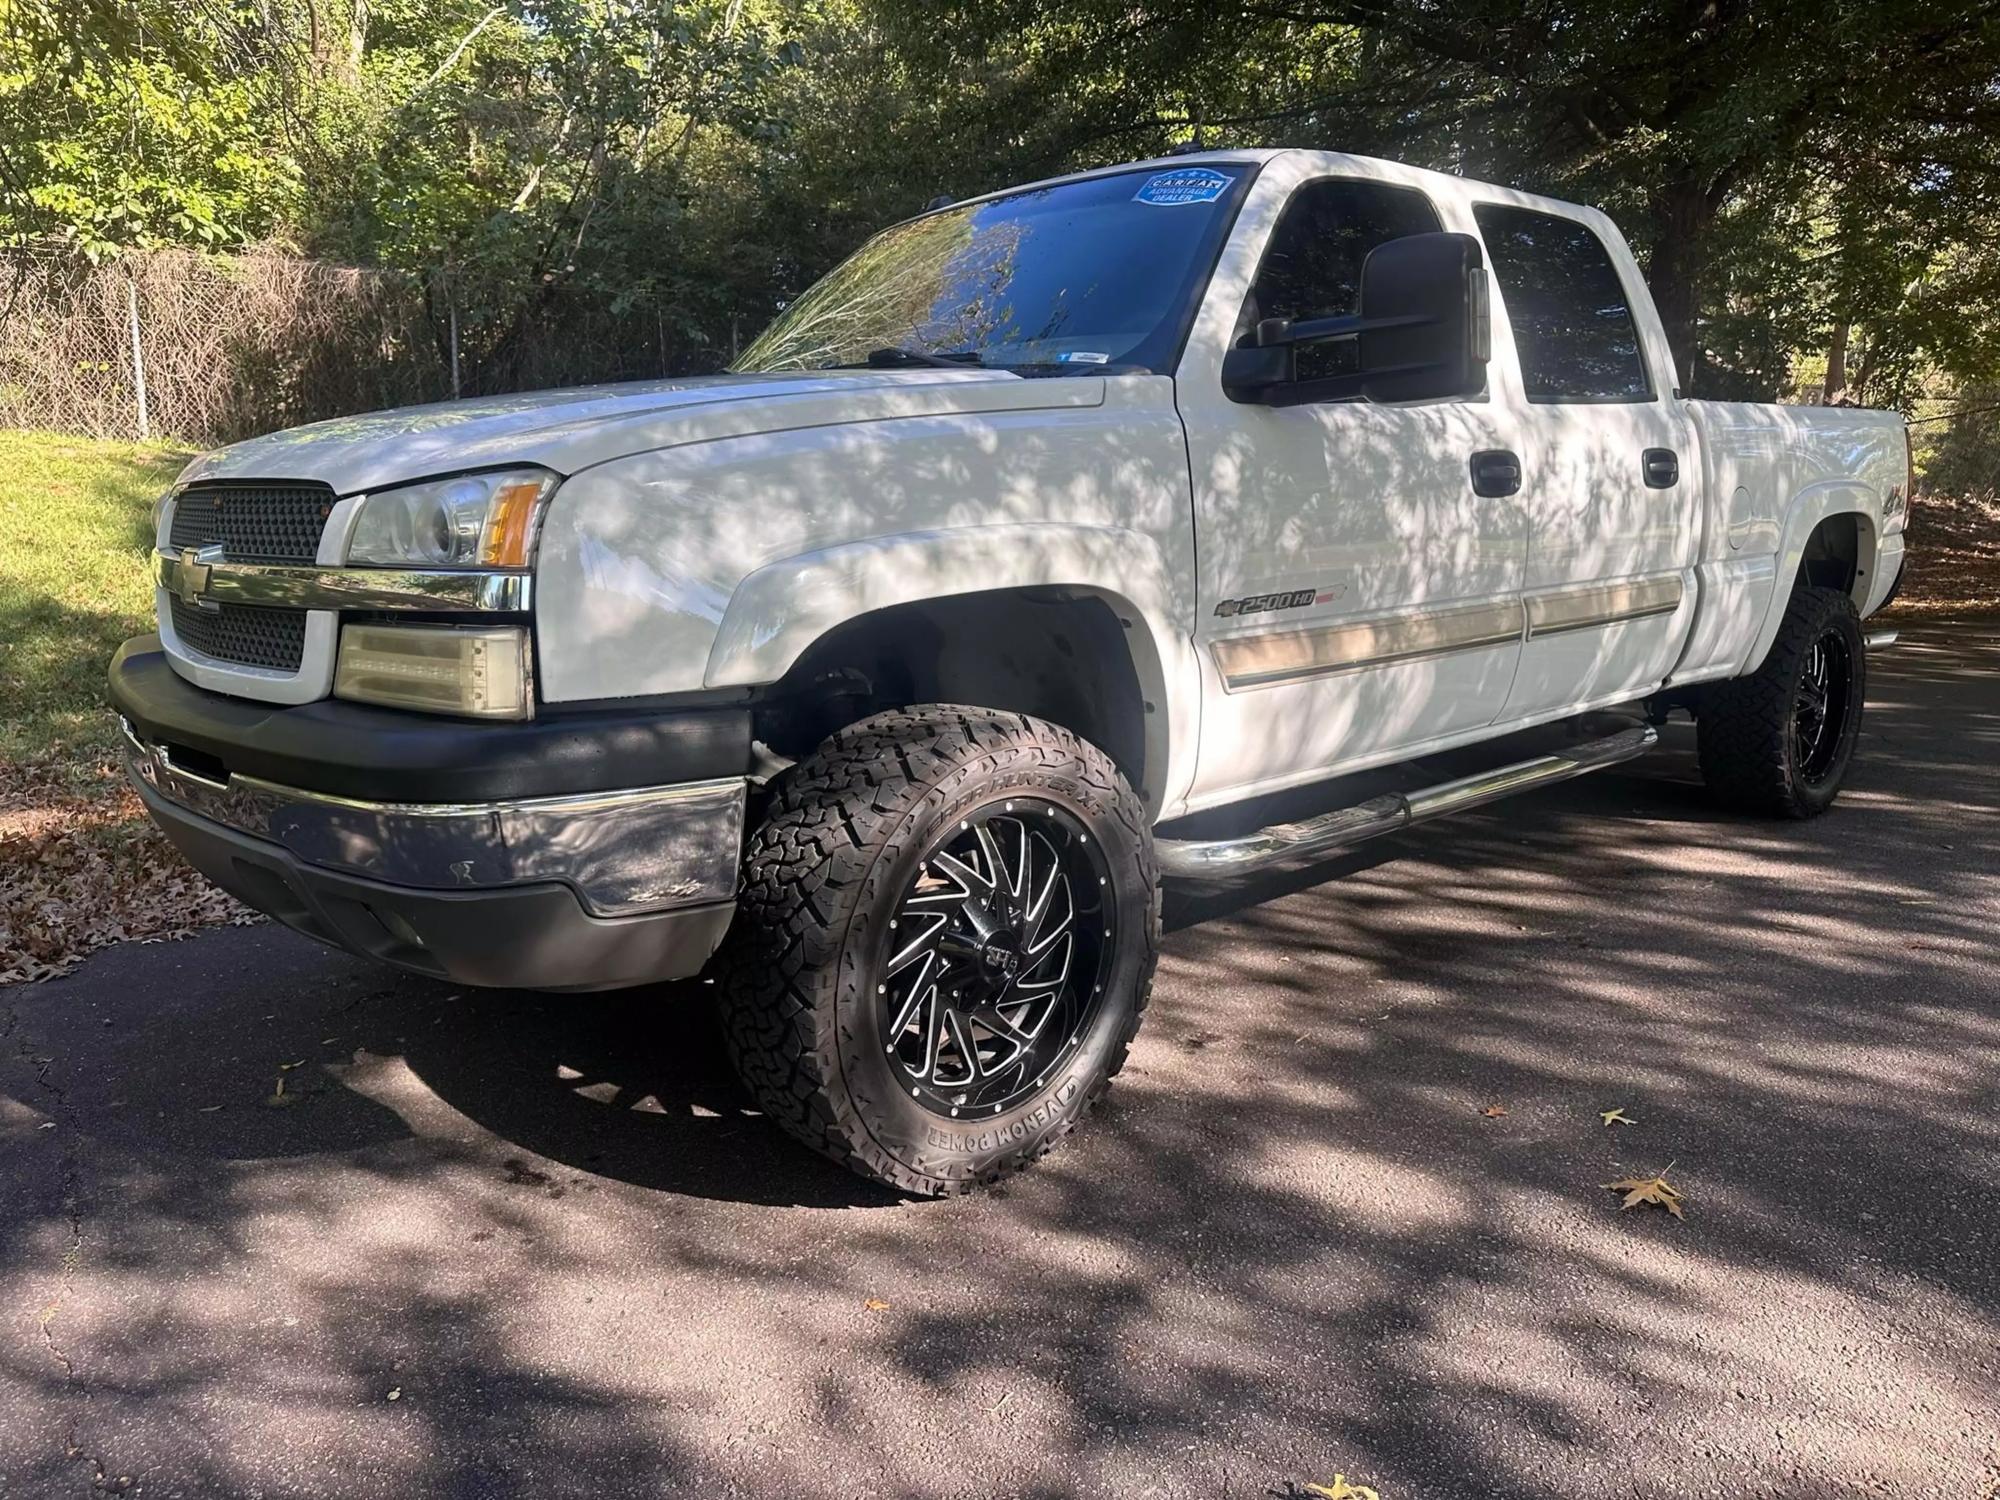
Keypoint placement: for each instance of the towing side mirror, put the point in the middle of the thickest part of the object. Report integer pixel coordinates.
(1422, 332)
(1437, 282)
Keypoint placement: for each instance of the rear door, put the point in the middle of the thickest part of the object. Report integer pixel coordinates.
(1357, 599)
(1610, 477)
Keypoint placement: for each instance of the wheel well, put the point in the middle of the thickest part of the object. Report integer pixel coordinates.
(1832, 557)
(1054, 653)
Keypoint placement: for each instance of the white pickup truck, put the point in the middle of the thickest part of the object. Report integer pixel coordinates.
(1010, 570)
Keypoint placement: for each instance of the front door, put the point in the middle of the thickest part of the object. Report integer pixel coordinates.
(1358, 601)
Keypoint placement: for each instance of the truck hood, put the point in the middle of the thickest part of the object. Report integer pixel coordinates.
(568, 430)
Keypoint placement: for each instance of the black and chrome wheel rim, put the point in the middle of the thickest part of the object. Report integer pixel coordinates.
(998, 955)
(1819, 718)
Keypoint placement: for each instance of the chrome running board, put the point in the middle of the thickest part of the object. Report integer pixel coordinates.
(1877, 640)
(1226, 859)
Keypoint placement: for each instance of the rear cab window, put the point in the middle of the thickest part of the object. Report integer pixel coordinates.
(1572, 321)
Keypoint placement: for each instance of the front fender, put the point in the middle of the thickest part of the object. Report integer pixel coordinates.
(1811, 506)
(779, 610)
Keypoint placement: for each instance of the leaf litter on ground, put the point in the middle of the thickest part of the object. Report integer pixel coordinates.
(81, 868)
(1656, 1190)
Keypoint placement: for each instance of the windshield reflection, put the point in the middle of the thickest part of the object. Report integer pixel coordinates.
(1078, 277)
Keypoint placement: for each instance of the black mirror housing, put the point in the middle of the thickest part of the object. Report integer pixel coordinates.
(1422, 331)
(1251, 371)
(1425, 319)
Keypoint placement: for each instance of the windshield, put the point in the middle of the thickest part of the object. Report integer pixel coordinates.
(1072, 278)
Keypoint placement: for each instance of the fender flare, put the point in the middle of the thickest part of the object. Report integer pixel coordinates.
(779, 610)
(1811, 506)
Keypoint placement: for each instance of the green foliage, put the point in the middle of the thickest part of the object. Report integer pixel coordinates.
(1812, 182)
(621, 150)
(116, 131)
(75, 524)
(1787, 167)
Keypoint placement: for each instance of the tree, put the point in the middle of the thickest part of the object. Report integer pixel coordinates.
(1811, 183)
(137, 125)
(1669, 115)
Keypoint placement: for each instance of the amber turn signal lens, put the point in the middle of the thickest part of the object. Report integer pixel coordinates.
(507, 539)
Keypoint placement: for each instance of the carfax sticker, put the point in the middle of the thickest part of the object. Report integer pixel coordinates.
(1182, 185)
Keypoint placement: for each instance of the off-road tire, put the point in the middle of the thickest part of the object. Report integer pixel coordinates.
(839, 843)
(1743, 727)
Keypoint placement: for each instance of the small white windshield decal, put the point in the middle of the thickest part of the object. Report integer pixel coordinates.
(1084, 357)
(1182, 185)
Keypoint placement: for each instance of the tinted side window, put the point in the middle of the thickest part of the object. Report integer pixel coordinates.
(1312, 266)
(1572, 324)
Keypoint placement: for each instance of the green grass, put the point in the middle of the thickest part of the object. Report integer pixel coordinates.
(75, 530)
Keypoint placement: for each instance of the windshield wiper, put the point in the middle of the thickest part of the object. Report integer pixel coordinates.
(889, 359)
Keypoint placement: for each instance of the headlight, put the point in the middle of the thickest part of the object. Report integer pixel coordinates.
(473, 521)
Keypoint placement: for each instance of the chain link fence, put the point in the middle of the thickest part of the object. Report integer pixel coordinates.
(204, 350)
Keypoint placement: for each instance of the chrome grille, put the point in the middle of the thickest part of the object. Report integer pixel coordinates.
(261, 523)
(250, 637)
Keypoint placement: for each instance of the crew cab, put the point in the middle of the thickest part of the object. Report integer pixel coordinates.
(1026, 560)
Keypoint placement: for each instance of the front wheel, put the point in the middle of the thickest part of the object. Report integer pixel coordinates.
(946, 937)
(1779, 741)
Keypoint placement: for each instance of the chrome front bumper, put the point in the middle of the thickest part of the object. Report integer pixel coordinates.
(623, 853)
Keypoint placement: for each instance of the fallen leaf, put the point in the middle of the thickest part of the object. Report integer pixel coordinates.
(1615, 1117)
(1639, 1190)
(1494, 1111)
(876, 1304)
(1340, 1489)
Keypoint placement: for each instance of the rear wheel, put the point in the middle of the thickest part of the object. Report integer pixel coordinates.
(1779, 741)
(945, 941)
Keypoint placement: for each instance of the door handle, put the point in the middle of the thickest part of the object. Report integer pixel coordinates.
(1495, 472)
(1662, 468)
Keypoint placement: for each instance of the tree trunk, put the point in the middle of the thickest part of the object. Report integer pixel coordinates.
(357, 40)
(1682, 216)
(1835, 385)
(1866, 373)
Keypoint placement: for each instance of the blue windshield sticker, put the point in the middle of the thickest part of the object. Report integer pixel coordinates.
(1182, 185)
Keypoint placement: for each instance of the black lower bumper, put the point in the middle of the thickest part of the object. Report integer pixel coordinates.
(385, 754)
(577, 851)
(512, 937)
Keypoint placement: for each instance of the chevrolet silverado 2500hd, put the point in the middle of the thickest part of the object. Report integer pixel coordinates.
(892, 670)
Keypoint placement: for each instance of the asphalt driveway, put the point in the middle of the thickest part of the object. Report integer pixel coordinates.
(534, 1246)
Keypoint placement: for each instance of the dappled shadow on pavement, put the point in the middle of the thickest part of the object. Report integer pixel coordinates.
(1291, 1245)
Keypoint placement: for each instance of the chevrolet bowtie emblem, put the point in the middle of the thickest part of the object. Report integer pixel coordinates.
(191, 578)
